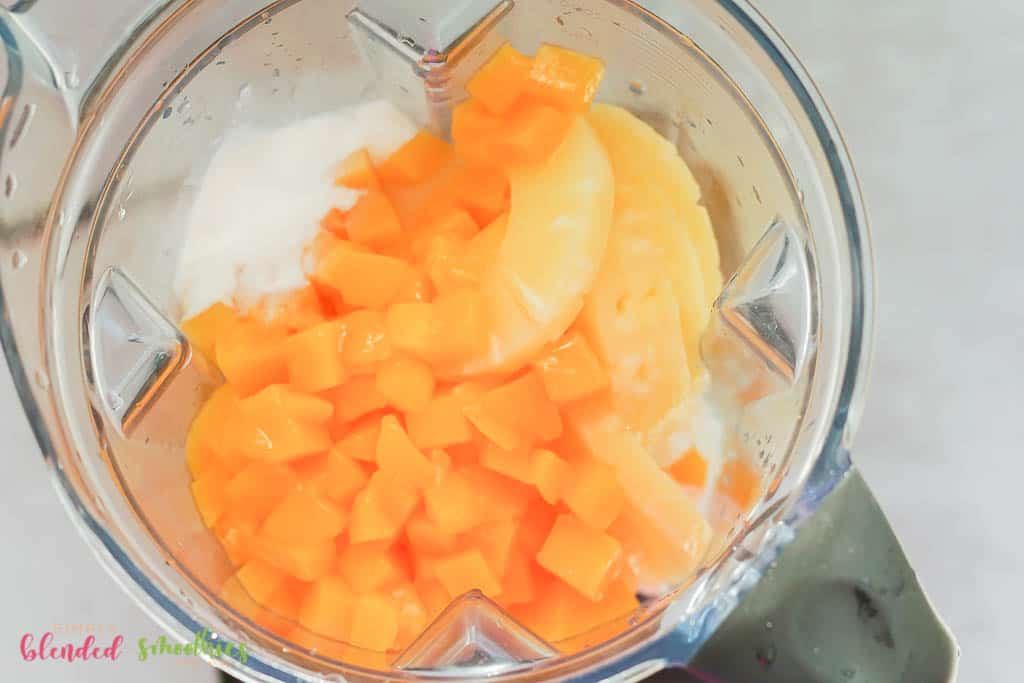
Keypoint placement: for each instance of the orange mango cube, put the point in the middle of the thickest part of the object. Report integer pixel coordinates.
(251, 356)
(373, 221)
(314, 357)
(422, 157)
(500, 498)
(518, 585)
(514, 464)
(291, 424)
(344, 477)
(691, 469)
(594, 493)
(203, 329)
(483, 192)
(500, 82)
(303, 561)
(407, 383)
(304, 517)
(208, 493)
(585, 558)
(371, 566)
(360, 439)
(440, 424)
(425, 535)
(205, 435)
(496, 542)
(453, 223)
(466, 571)
(327, 609)
(434, 596)
(374, 623)
(522, 406)
(739, 482)
(357, 172)
(571, 370)
(453, 504)
(564, 78)
(260, 580)
(366, 341)
(550, 474)
(258, 489)
(412, 614)
(397, 456)
(356, 398)
(364, 280)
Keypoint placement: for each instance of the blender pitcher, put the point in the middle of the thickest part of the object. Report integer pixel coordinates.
(110, 108)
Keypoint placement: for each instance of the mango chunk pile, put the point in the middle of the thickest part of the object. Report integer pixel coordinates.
(447, 405)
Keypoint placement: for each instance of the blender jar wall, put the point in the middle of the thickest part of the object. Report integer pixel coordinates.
(762, 150)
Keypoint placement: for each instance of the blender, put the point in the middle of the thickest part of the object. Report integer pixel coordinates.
(109, 109)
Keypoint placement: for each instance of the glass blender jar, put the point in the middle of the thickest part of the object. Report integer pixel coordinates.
(107, 111)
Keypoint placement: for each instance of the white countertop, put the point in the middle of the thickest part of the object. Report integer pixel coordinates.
(928, 95)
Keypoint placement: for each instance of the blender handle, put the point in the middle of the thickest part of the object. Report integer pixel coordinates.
(840, 604)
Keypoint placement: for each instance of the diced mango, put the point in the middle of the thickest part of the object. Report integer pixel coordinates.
(419, 289)
(397, 456)
(203, 330)
(371, 566)
(304, 517)
(327, 609)
(425, 535)
(360, 439)
(739, 482)
(344, 477)
(453, 505)
(251, 356)
(522, 407)
(691, 469)
(500, 82)
(260, 580)
(453, 223)
(374, 622)
(205, 435)
(304, 561)
(357, 172)
(571, 370)
(564, 78)
(411, 327)
(442, 261)
(381, 509)
(296, 311)
(559, 613)
(281, 615)
(585, 558)
(208, 493)
(423, 156)
(496, 542)
(518, 586)
(535, 527)
(550, 474)
(412, 614)
(483, 192)
(500, 498)
(466, 571)
(440, 424)
(593, 492)
(407, 383)
(373, 221)
(527, 134)
(364, 280)
(366, 341)
(460, 324)
(258, 489)
(514, 464)
(236, 533)
(314, 357)
(434, 596)
(290, 424)
(355, 398)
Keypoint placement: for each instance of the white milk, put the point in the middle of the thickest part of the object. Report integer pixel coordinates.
(261, 199)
